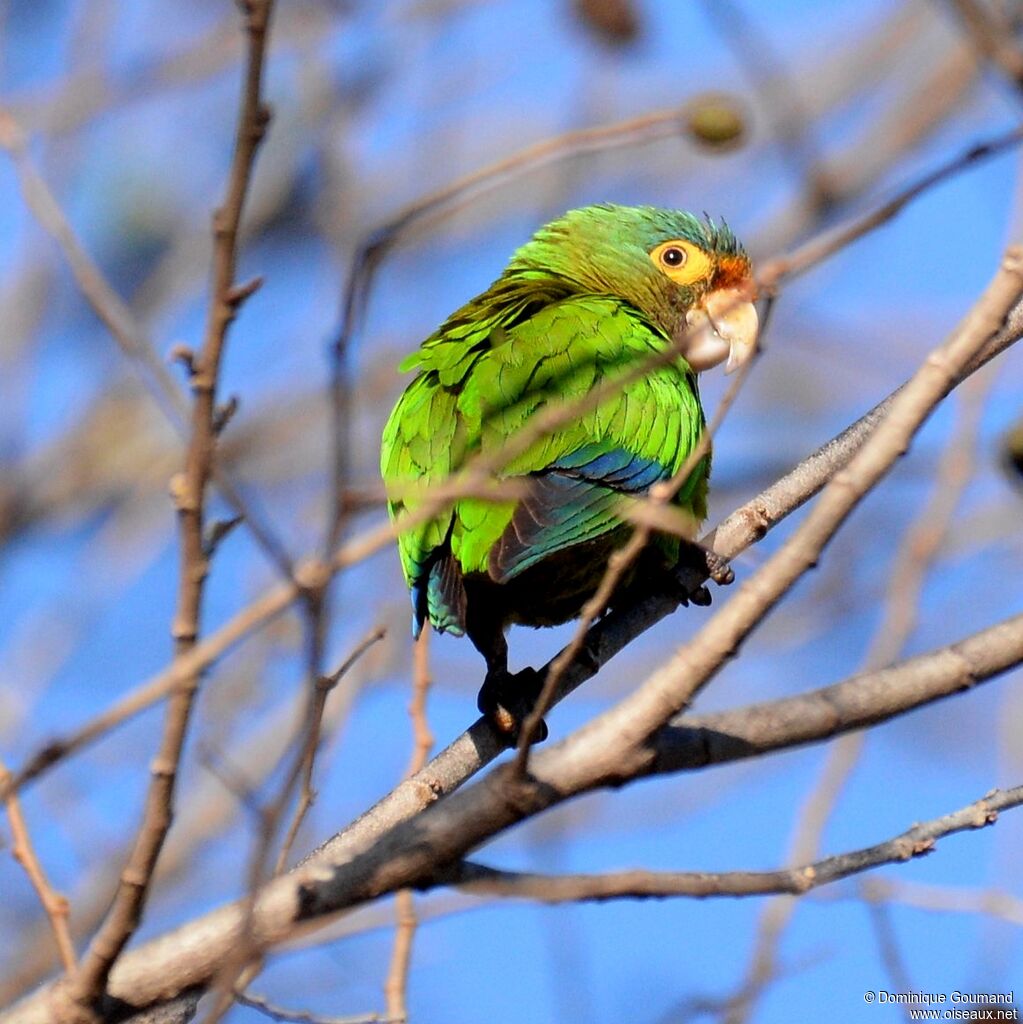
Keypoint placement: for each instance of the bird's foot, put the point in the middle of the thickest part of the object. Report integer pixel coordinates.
(696, 564)
(505, 700)
(717, 568)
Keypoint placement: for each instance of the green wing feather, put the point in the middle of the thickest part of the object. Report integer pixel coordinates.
(480, 380)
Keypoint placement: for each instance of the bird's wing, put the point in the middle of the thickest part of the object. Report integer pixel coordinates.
(580, 471)
(574, 500)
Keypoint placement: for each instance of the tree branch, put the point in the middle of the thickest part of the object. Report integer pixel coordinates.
(53, 903)
(155, 971)
(481, 880)
(86, 988)
(692, 742)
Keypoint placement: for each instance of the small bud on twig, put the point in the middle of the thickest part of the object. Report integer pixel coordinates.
(217, 531)
(181, 353)
(238, 293)
(223, 413)
(176, 487)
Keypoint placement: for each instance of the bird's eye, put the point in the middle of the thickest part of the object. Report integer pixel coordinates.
(682, 261)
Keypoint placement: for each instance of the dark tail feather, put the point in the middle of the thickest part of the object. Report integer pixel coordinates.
(445, 594)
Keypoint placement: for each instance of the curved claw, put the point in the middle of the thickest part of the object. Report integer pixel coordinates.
(505, 700)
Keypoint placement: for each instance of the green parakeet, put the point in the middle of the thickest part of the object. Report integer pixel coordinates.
(587, 298)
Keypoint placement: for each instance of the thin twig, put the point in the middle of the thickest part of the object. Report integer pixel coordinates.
(279, 1013)
(90, 981)
(889, 949)
(324, 686)
(53, 903)
(811, 253)
(943, 899)
(422, 680)
(917, 841)
(909, 120)
(396, 983)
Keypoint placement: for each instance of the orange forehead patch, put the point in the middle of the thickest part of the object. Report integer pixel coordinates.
(732, 272)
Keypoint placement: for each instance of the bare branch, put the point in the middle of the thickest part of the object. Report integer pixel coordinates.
(53, 903)
(279, 1013)
(396, 983)
(695, 741)
(917, 841)
(87, 987)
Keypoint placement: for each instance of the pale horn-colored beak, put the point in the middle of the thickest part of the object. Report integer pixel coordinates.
(723, 326)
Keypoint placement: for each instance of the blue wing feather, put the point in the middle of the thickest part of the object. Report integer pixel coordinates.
(573, 502)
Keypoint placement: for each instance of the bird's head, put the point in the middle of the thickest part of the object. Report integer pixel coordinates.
(690, 277)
